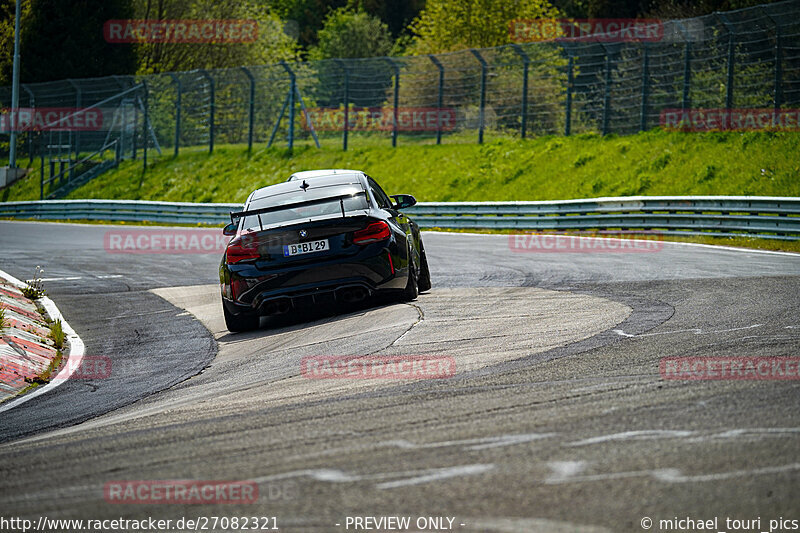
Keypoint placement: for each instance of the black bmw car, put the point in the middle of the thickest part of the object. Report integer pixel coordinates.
(321, 237)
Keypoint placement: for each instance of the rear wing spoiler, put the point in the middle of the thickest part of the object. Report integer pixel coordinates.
(236, 215)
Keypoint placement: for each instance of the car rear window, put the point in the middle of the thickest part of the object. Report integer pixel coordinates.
(329, 205)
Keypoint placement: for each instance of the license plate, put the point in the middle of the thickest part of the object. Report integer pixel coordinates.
(305, 247)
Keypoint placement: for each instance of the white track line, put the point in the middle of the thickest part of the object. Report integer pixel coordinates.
(672, 243)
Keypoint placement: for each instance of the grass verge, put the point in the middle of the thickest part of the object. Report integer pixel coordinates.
(543, 168)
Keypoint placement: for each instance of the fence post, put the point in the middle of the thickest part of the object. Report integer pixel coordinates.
(777, 97)
(607, 92)
(32, 105)
(687, 75)
(396, 68)
(731, 65)
(179, 92)
(292, 90)
(78, 104)
(645, 86)
(41, 168)
(440, 101)
(346, 96)
(251, 109)
(570, 83)
(123, 87)
(211, 109)
(525, 67)
(145, 124)
(484, 67)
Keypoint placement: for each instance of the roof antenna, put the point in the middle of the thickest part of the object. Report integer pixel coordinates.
(304, 186)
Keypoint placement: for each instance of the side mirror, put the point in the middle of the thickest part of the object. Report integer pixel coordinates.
(403, 200)
(230, 229)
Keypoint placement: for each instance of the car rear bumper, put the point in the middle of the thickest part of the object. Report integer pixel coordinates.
(270, 292)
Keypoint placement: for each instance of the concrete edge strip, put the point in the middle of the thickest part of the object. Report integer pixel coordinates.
(74, 342)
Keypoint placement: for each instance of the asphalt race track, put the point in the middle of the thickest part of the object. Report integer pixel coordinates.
(556, 420)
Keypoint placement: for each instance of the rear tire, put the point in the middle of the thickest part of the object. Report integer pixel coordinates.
(424, 283)
(240, 323)
(411, 291)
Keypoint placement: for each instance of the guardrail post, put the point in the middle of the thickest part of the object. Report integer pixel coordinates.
(440, 100)
(179, 92)
(346, 98)
(525, 68)
(251, 108)
(570, 83)
(484, 67)
(645, 86)
(292, 90)
(396, 68)
(212, 105)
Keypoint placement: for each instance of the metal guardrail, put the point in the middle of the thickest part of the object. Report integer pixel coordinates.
(770, 217)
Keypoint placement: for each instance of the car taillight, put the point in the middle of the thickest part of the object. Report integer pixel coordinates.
(239, 251)
(377, 231)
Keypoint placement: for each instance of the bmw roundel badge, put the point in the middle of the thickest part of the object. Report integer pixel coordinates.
(303, 233)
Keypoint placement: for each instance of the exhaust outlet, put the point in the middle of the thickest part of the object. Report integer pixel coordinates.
(276, 307)
(353, 294)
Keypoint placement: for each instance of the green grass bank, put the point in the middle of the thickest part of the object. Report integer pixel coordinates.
(544, 168)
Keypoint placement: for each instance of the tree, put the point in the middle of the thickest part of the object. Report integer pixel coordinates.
(397, 14)
(7, 36)
(272, 45)
(448, 25)
(308, 16)
(348, 33)
(666, 9)
(64, 39)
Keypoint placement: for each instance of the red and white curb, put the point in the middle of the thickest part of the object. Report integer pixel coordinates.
(73, 351)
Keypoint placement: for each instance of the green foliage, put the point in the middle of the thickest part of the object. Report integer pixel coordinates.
(273, 43)
(650, 8)
(64, 39)
(448, 25)
(348, 33)
(307, 15)
(34, 289)
(7, 10)
(2, 317)
(57, 334)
